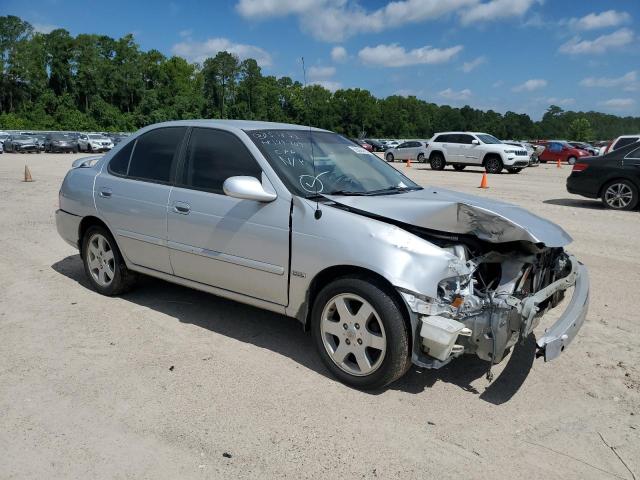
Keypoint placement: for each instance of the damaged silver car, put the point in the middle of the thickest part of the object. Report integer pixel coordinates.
(303, 222)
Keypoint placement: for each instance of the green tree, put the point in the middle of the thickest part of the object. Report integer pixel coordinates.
(580, 130)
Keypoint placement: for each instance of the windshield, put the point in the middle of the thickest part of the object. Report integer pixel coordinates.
(489, 139)
(341, 168)
(22, 137)
(94, 136)
(59, 136)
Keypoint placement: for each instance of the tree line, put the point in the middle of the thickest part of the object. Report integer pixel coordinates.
(95, 82)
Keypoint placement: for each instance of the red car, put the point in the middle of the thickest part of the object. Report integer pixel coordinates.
(363, 144)
(560, 150)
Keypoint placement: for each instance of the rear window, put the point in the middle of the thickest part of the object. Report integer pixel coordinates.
(154, 154)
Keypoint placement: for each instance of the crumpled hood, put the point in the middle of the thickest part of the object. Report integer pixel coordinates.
(454, 212)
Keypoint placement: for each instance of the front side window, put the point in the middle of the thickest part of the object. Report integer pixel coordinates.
(466, 139)
(154, 154)
(213, 156)
(311, 162)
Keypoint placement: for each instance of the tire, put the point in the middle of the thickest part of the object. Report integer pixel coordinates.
(103, 264)
(437, 161)
(390, 158)
(493, 164)
(514, 169)
(421, 158)
(385, 328)
(75, 149)
(620, 195)
(458, 168)
(571, 160)
(89, 149)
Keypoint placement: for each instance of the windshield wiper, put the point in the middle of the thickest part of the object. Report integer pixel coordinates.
(390, 190)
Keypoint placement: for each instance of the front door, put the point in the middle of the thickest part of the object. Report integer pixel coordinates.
(237, 245)
(132, 193)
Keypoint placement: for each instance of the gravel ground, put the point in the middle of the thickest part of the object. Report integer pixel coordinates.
(166, 382)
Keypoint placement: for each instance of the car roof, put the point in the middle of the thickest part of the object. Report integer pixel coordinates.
(237, 124)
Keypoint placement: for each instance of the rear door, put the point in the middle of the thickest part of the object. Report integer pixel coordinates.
(468, 152)
(237, 245)
(132, 194)
(403, 151)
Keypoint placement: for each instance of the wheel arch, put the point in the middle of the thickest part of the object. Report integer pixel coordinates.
(329, 274)
(489, 155)
(92, 221)
(439, 152)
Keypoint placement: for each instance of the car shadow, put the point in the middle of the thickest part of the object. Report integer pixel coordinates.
(575, 202)
(285, 336)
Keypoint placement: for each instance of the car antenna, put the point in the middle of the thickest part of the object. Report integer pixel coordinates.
(318, 213)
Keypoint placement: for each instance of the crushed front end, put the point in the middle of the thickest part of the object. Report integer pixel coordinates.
(506, 290)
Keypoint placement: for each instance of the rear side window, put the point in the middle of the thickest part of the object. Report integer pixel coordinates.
(215, 155)
(623, 142)
(119, 164)
(155, 154)
(447, 138)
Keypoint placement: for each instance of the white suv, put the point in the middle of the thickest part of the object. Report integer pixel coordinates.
(460, 149)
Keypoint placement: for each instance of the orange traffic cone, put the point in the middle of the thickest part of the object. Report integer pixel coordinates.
(484, 183)
(559, 166)
(408, 163)
(27, 174)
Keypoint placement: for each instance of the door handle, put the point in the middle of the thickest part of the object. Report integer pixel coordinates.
(105, 192)
(182, 208)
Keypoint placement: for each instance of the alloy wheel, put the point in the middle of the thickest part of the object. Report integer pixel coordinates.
(618, 195)
(353, 334)
(101, 260)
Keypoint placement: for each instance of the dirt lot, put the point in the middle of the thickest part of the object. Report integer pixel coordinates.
(171, 383)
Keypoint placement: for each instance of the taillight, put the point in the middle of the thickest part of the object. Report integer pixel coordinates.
(580, 167)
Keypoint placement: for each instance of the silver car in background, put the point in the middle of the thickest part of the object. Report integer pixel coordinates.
(301, 221)
(414, 150)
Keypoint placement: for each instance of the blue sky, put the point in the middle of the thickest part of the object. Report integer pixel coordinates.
(519, 55)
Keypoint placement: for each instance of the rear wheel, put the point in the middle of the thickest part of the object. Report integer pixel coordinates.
(360, 333)
(437, 161)
(620, 195)
(493, 164)
(457, 167)
(103, 263)
(390, 157)
(514, 169)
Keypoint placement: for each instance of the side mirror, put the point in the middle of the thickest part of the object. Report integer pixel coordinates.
(475, 142)
(247, 188)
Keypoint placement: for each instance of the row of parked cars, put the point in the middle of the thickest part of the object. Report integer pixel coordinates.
(58, 142)
(462, 149)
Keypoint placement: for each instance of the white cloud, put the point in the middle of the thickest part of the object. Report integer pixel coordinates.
(619, 103)
(577, 46)
(495, 10)
(628, 82)
(473, 64)
(530, 85)
(319, 73)
(497, 84)
(450, 94)
(44, 27)
(594, 21)
(199, 51)
(339, 54)
(185, 33)
(396, 56)
(335, 20)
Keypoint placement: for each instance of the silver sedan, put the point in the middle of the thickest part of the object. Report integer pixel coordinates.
(299, 221)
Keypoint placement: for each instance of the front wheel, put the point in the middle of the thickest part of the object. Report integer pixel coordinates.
(493, 165)
(620, 195)
(360, 333)
(390, 157)
(103, 263)
(571, 160)
(421, 158)
(514, 170)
